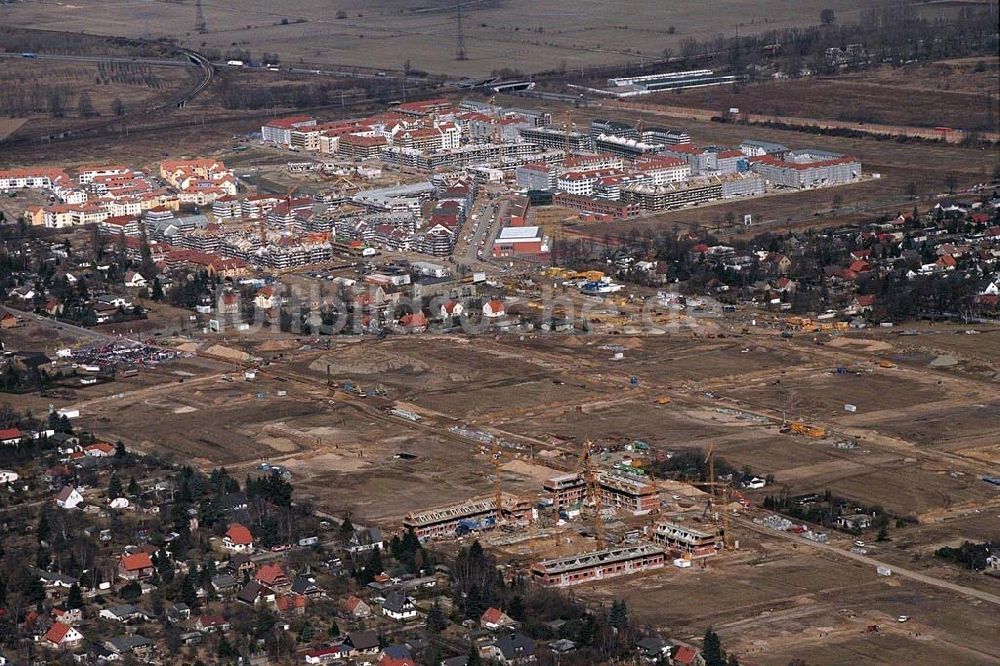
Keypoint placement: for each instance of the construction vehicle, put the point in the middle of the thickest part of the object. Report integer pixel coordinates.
(885, 363)
(807, 430)
(663, 400)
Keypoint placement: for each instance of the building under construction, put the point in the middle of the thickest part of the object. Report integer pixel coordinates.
(566, 490)
(696, 543)
(476, 514)
(628, 493)
(622, 492)
(599, 565)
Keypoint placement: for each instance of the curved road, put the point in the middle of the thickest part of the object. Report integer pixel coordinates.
(190, 59)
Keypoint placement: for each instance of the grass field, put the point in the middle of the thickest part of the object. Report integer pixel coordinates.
(514, 34)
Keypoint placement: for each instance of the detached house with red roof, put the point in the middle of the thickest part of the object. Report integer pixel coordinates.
(135, 566)
(273, 577)
(11, 436)
(238, 539)
(493, 309)
(494, 618)
(62, 637)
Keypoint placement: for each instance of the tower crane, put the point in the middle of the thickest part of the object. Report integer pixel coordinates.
(718, 503)
(593, 494)
(497, 488)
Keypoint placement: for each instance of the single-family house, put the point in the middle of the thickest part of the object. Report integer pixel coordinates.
(363, 643)
(238, 539)
(124, 613)
(494, 618)
(493, 308)
(399, 607)
(512, 649)
(62, 637)
(356, 609)
(69, 498)
(135, 566)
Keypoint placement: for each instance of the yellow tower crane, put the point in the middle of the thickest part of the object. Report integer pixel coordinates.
(719, 501)
(497, 488)
(593, 494)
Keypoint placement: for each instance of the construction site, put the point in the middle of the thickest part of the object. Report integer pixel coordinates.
(581, 454)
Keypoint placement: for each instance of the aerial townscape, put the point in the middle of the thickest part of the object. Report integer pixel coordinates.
(461, 333)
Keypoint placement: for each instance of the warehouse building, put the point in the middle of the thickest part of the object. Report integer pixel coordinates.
(520, 241)
(599, 565)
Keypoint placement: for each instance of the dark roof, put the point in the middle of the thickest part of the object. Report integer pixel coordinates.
(651, 644)
(515, 645)
(363, 640)
(128, 643)
(250, 592)
(305, 585)
(395, 602)
(397, 651)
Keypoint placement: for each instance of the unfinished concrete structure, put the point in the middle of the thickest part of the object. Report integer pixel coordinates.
(697, 543)
(598, 565)
(628, 493)
(476, 514)
(566, 490)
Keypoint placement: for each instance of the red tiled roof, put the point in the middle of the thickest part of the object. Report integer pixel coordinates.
(57, 632)
(136, 562)
(239, 535)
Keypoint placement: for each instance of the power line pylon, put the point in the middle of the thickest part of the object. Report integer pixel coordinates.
(199, 17)
(459, 35)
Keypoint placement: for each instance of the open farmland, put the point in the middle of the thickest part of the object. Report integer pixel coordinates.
(958, 95)
(513, 34)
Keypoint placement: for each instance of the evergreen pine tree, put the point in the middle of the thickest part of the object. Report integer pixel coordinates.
(711, 649)
(114, 486)
(74, 599)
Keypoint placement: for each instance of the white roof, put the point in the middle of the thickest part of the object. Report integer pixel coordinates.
(518, 233)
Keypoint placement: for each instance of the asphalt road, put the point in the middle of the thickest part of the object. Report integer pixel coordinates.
(86, 333)
(872, 562)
